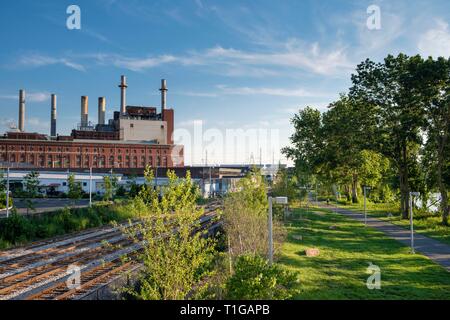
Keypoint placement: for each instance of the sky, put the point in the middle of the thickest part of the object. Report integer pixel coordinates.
(237, 71)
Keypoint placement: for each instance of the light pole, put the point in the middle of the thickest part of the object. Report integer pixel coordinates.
(90, 187)
(7, 192)
(278, 200)
(365, 205)
(411, 221)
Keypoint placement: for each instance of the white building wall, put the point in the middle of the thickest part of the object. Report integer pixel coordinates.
(144, 130)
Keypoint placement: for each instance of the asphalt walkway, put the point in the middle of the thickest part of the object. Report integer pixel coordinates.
(435, 250)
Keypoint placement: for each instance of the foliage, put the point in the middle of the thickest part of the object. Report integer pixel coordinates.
(110, 186)
(75, 189)
(19, 229)
(176, 254)
(31, 181)
(255, 279)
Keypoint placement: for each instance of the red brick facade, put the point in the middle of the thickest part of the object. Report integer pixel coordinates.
(44, 154)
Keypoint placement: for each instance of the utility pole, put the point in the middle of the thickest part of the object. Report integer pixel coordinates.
(90, 187)
(7, 192)
(270, 232)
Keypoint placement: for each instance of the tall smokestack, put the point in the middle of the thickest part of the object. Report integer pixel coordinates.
(84, 111)
(163, 95)
(53, 116)
(22, 110)
(123, 95)
(101, 110)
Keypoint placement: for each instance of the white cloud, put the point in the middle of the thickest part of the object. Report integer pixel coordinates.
(436, 41)
(295, 92)
(29, 97)
(37, 60)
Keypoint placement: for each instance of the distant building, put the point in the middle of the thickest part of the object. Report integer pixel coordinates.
(136, 137)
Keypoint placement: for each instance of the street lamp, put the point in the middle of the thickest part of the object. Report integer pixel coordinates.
(7, 192)
(365, 205)
(411, 222)
(278, 200)
(90, 187)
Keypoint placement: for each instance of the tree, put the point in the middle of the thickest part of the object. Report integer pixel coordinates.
(110, 186)
(176, 254)
(32, 184)
(437, 147)
(388, 94)
(75, 189)
(245, 218)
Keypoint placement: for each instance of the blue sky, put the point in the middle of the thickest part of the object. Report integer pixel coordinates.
(231, 64)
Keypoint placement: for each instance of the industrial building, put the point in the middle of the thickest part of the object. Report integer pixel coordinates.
(137, 136)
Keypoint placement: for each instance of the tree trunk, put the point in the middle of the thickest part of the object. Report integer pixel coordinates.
(354, 188)
(442, 187)
(404, 184)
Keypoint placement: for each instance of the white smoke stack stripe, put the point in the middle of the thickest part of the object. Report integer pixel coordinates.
(84, 111)
(101, 110)
(53, 116)
(22, 110)
(123, 87)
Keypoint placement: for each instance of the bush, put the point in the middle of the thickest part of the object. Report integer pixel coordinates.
(255, 279)
(16, 228)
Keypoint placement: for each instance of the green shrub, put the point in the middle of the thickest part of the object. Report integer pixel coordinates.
(255, 279)
(16, 228)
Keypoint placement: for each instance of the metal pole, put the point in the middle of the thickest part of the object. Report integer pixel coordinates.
(411, 222)
(317, 192)
(90, 187)
(365, 208)
(270, 233)
(7, 192)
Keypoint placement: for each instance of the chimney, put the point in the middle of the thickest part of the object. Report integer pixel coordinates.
(123, 87)
(101, 110)
(22, 110)
(163, 96)
(53, 116)
(84, 111)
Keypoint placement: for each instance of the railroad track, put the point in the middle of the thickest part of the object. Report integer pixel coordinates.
(40, 271)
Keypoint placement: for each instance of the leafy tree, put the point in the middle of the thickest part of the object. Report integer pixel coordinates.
(175, 256)
(32, 184)
(75, 189)
(388, 94)
(437, 147)
(110, 186)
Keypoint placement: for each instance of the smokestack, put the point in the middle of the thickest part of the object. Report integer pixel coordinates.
(163, 94)
(101, 110)
(84, 111)
(123, 86)
(22, 110)
(53, 117)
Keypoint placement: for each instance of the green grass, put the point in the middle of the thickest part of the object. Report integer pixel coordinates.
(428, 225)
(339, 272)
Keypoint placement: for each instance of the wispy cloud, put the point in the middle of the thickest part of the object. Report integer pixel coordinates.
(294, 92)
(30, 96)
(436, 41)
(38, 60)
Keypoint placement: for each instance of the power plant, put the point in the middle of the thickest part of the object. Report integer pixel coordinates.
(135, 137)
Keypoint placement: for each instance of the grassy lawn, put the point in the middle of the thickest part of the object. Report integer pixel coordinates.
(427, 225)
(339, 272)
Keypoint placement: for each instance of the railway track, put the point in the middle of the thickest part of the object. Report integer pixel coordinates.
(40, 270)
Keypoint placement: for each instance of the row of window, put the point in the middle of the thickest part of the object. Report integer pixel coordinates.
(60, 149)
(86, 161)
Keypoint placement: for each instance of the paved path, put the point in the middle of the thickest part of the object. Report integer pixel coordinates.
(435, 250)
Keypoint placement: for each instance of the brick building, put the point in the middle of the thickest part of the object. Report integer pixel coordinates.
(136, 137)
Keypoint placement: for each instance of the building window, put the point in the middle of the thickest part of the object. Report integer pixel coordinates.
(131, 125)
